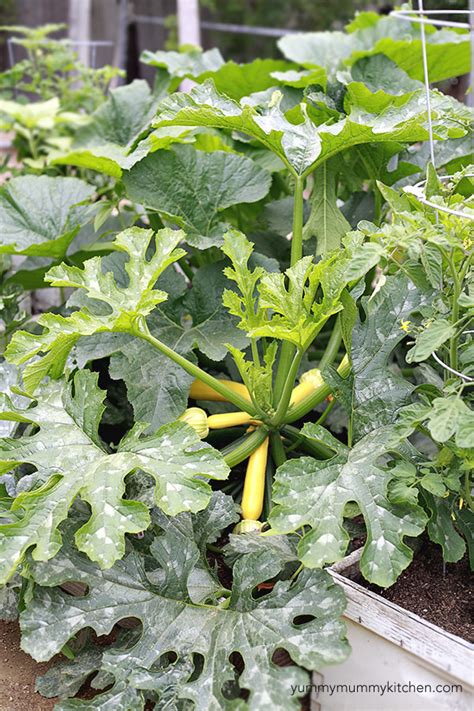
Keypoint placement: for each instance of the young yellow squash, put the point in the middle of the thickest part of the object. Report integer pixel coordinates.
(254, 486)
(309, 381)
(197, 419)
(201, 391)
(229, 419)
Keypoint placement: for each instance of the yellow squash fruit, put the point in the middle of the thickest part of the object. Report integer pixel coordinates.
(254, 486)
(309, 381)
(229, 419)
(201, 391)
(197, 419)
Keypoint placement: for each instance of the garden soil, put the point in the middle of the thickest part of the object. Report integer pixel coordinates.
(17, 674)
(443, 595)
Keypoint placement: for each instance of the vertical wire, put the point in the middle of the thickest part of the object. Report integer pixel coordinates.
(427, 83)
(427, 91)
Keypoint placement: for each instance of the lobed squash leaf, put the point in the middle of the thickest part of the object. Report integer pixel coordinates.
(72, 461)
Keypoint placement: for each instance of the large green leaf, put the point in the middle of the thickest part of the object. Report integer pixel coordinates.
(106, 158)
(447, 51)
(448, 54)
(294, 305)
(310, 492)
(9, 378)
(378, 72)
(157, 388)
(296, 145)
(299, 143)
(66, 678)
(322, 49)
(191, 188)
(72, 461)
(123, 305)
(188, 62)
(40, 215)
(326, 222)
(300, 305)
(185, 543)
(105, 144)
(294, 314)
(378, 390)
(255, 627)
(111, 159)
(239, 80)
(121, 118)
(191, 318)
(331, 49)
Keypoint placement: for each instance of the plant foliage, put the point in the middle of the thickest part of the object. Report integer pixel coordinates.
(259, 306)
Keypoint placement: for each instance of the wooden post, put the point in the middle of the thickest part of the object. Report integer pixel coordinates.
(189, 29)
(121, 46)
(80, 28)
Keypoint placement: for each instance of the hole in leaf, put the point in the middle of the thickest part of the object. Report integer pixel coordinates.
(75, 588)
(231, 688)
(118, 414)
(281, 658)
(302, 620)
(237, 660)
(264, 588)
(130, 623)
(198, 661)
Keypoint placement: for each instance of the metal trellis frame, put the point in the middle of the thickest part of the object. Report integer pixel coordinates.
(93, 44)
(430, 17)
(223, 27)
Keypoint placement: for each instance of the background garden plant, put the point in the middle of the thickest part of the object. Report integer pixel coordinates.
(256, 308)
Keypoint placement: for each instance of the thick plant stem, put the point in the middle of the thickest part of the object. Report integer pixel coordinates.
(333, 344)
(317, 396)
(297, 234)
(458, 280)
(287, 390)
(267, 500)
(188, 272)
(316, 449)
(277, 449)
(467, 491)
(195, 370)
(453, 343)
(247, 447)
(255, 356)
(288, 349)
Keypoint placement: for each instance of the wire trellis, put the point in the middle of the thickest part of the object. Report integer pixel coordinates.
(435, 17)
(417, 190)
(424, 17)
(93, 45)
(429, 20)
